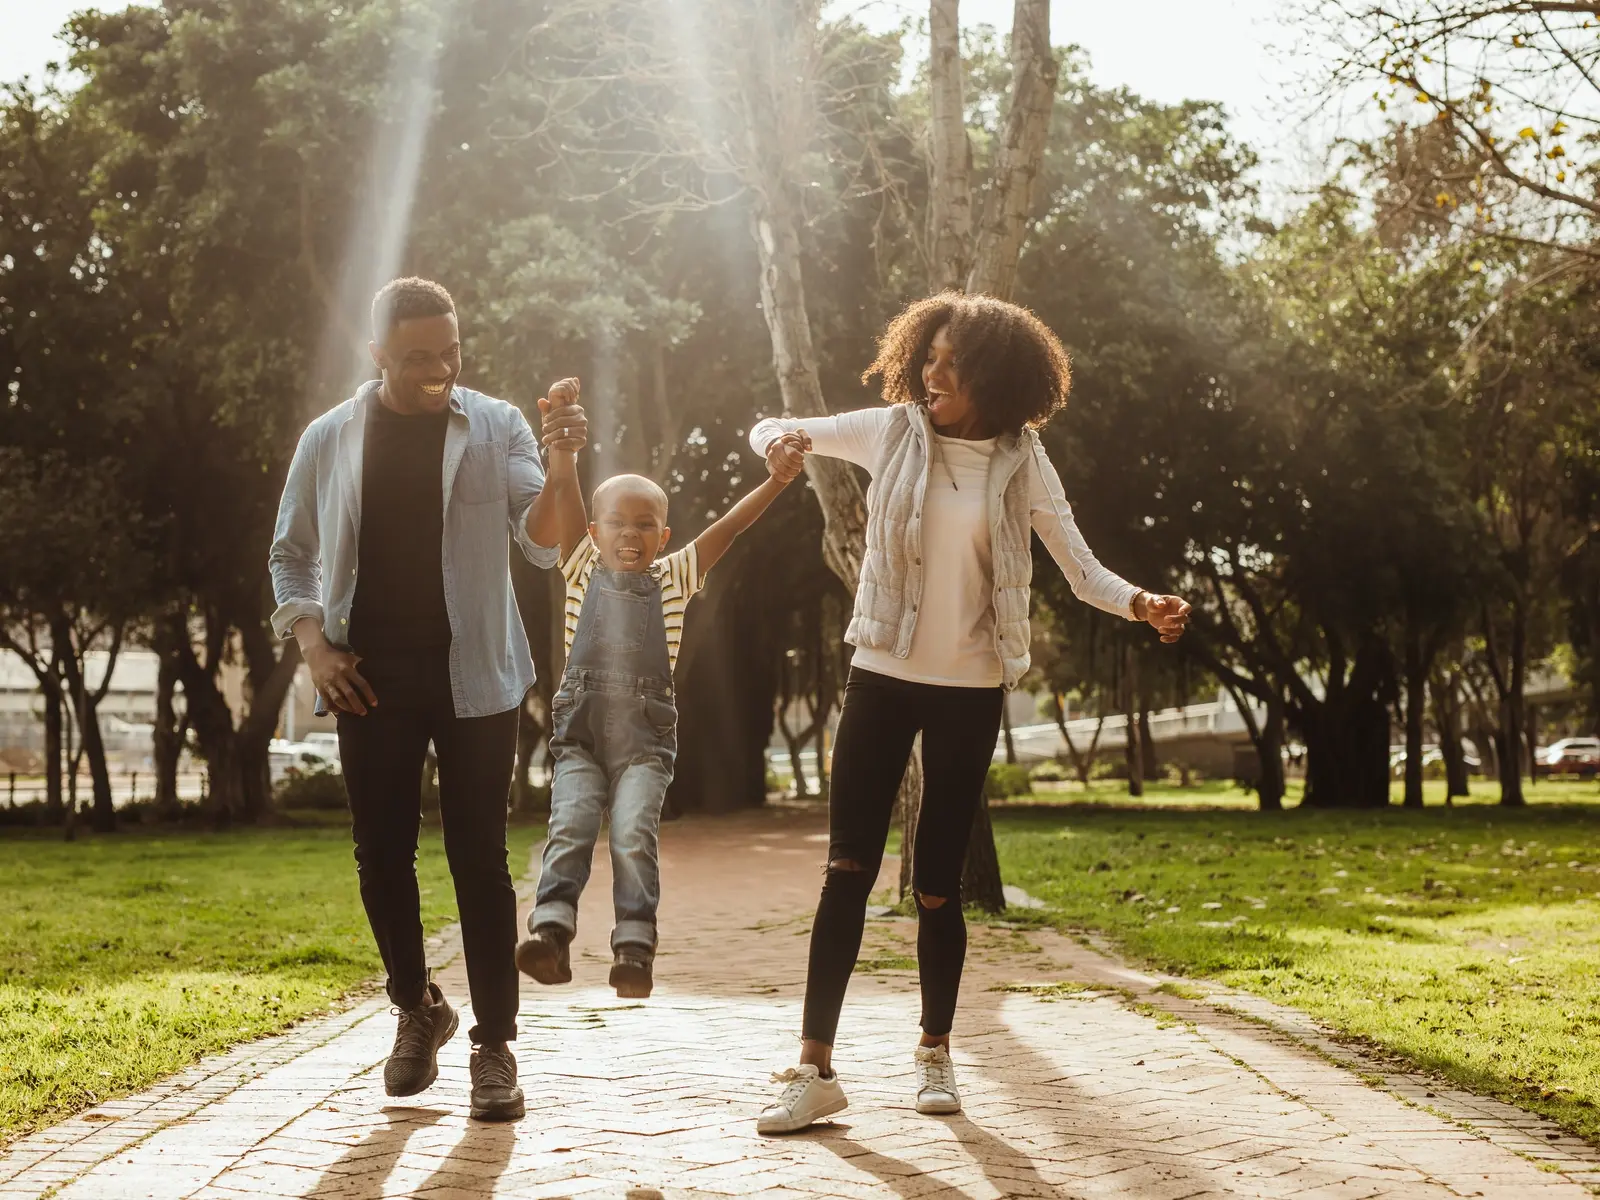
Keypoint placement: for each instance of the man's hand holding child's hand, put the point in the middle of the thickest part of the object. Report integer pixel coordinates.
(786, 456)
(562, 420)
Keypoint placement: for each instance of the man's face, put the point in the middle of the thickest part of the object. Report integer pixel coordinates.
(420, 360)
(629, 529)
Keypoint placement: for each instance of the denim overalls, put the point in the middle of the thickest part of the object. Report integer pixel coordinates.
(614, 738)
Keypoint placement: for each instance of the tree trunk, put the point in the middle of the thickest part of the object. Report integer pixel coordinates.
(1005, 728)
(1509, 742)
(530, 736)
(950, 197)
(909, 804)
(728, 664)
(167, 742)
(541, 600)
(794, 358)
(1269, 748)
(103, 813)
(273, 664)
(1416, 700)
(981, 883)
(1265, 736)
(1447, 718)
(1147, 747)
(1530, 721)
(1347, 738)
(255, 780)
(1009, 207)
(70, 824)
(1485, 741)
(212, 722)
(1132, 752)
(50, 685)
(795, 744)
(1081, 763)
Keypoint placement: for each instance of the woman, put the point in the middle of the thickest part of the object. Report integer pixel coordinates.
(941, 634)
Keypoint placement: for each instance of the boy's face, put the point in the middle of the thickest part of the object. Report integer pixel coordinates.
(629, 529)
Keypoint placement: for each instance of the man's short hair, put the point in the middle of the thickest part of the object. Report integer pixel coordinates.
(402, 299)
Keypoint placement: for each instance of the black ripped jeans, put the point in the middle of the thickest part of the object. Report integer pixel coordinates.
(877, 727)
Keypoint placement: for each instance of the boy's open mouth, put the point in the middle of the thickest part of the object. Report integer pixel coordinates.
(629, 555)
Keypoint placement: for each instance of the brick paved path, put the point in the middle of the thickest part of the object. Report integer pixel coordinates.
(1100, 1088)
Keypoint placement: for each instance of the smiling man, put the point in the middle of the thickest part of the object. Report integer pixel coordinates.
(391, 568)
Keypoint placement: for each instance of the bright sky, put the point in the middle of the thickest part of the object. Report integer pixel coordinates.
(1239, 52)
(1234, 51)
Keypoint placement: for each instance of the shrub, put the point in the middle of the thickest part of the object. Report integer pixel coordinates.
(319, 789)
(1049, 771)
(1006, 780)
(28, 813)
(145, 811)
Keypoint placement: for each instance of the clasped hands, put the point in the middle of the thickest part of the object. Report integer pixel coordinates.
(562, 421)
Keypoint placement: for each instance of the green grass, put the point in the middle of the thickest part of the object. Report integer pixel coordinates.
(125, 958)
(1464, 939)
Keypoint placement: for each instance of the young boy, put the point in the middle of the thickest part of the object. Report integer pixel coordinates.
(614, 733)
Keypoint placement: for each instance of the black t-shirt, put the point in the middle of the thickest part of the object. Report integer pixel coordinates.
(399, 600)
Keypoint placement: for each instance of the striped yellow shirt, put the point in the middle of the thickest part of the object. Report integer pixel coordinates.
(680, 579)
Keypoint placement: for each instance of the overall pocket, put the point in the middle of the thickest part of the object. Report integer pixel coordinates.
(621, 620)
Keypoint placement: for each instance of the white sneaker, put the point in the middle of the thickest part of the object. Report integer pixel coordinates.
(937, 1094)
(807, 1097)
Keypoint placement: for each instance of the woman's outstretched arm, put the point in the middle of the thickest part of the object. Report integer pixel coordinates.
(852, 436)
(1092, 582)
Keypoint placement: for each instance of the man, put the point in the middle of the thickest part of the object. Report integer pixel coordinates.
(391, 567)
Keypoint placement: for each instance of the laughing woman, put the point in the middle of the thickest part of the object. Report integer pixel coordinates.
(941, 634)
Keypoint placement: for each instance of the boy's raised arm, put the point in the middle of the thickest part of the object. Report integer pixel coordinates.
(714, 542)
(560, 515)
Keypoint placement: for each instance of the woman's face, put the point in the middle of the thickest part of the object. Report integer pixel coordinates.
(950, 405)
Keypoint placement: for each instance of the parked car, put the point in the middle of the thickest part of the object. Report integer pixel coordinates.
(325, 740)
(285, 758)
(1578, 756)
(1432, 762)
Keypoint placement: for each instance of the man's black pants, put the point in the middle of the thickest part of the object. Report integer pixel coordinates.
(383, 754)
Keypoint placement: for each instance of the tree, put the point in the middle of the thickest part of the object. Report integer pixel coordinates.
(72, 561)
(1507, 90)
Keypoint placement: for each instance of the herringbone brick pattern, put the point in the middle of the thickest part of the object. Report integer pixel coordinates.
(1080, 1080)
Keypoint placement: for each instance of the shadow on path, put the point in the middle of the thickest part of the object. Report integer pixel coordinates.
(362, 1170)
(905, 1179)
(475, 1162)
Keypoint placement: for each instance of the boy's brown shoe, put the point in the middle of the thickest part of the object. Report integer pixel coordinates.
(544, 956)
(632, 972)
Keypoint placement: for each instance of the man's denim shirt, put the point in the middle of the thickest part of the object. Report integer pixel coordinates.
(492, 475)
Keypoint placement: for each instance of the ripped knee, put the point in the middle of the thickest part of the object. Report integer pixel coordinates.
(848, 877)
(930, 902)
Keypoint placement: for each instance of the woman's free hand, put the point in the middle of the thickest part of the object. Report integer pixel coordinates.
(1169, 615)
(786, 455)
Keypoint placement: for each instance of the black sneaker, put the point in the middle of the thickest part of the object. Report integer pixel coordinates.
(544, 957)
(632, 972)
(414, 1062)
(495, 1094)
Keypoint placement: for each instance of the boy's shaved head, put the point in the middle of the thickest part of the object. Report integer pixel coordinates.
(630, 485)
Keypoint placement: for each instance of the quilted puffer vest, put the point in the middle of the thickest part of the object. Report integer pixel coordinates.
(890, 593)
